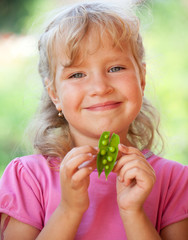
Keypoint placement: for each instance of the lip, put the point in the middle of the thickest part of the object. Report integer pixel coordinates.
(104, 106)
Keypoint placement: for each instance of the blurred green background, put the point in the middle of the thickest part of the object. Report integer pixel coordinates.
(166, 41)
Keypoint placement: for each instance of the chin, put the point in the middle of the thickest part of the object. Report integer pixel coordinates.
(110, 129)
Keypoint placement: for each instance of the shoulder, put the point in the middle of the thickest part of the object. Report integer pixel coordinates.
(26, 187)
(171, 181)
(171, 177)
(170, 192)
(31, 168)
(35, 162)
(31, 161)
(168, 168)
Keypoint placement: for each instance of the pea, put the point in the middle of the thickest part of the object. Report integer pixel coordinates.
(112, 149)
(109, 158)
(103, 152)
(104, 142)
(106, 136)
(104, 161)
(108, 153)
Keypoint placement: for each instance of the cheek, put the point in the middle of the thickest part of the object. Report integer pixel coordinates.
(132, 92)
(69, 98)
(131, 89)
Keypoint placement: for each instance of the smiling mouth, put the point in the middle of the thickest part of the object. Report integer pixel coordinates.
(104, 106)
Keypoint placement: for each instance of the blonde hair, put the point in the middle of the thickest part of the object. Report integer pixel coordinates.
(66, 31)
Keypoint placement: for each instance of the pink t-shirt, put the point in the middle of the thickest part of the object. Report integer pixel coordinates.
(30, 192)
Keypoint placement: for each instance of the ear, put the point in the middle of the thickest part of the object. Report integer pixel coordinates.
(143, 77)
(53, 94)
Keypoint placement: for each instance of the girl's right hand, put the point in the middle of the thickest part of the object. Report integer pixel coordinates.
(75, 179)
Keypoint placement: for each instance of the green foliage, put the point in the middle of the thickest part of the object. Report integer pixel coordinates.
(18, 103)
(166, 46)
(17, 16)
(13, 14)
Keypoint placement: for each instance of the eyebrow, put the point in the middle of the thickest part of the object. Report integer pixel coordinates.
(106, 59)
(112, 58)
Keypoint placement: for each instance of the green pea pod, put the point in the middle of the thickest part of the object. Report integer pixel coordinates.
(107, 155)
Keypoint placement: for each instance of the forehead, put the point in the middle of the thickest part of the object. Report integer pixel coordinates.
(94, 40)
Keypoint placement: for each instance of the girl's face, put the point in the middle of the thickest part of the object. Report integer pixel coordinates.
(101, 93)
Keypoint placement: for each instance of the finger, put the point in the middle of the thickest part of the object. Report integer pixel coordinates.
(91, 163)
(79, 176)
(78, 150)
(71, 166)
(135, 164)
(129, 150)
(123, 160)
(142, 178)
(127, 158)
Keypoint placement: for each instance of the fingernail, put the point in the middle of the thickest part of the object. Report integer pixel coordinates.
(122, 145)
(90, 156)
(119, 178)
(96, 148)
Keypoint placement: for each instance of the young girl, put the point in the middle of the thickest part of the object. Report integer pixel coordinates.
(93, 70)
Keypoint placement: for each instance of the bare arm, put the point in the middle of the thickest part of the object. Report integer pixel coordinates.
(134, 183)
(136, 179)
(176, 231)
(138, 226)
(65, 220)
(13, 229)
(60, 226)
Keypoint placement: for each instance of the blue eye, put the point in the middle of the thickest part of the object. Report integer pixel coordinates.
(116, 69)
(77, 75)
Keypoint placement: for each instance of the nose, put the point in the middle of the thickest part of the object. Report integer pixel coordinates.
(100, 85)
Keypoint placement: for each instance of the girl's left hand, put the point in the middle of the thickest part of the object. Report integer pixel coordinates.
(135, 179)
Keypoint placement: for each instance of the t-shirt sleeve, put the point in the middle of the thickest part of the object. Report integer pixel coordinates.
(175, 206)
(20, 195)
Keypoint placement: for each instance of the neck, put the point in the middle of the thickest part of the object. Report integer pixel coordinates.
(81, 139)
